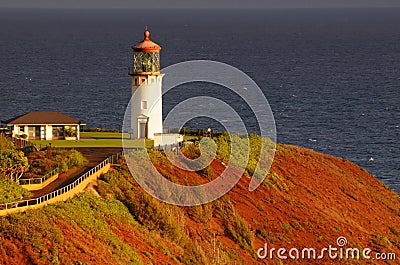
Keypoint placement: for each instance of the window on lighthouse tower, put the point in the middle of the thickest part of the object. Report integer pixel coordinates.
(144, 104)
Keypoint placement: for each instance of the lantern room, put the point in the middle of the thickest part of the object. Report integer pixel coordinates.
(146, 56)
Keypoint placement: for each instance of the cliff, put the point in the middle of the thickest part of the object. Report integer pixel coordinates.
(308, 200)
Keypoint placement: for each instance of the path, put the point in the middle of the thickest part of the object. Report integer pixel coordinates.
(95, 155)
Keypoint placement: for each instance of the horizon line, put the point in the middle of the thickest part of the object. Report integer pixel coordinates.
(200, 8)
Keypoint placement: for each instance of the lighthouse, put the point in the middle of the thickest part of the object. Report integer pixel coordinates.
(146, 102)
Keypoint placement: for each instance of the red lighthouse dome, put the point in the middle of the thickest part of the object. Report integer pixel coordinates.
(146, 45)
(146, 56)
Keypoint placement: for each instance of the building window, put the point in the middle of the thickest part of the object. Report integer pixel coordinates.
(144, 104)
(58, 131)
(21, 129)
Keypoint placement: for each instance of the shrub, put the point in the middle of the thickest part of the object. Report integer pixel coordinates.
(44, 161)
(206, 172)
(273, 179)
(156, 215)
(239, 231)
(394, 231)
(236, 227)
(13, 164)
(191, 151)
(267, 236)
(194, 254)
(46, 232)
(287, 228)
(296, 225)
(245, 153)
(5, 144)
(166, 219)
(11, 192)
(70, 132)
(201, 213)
(76, 159)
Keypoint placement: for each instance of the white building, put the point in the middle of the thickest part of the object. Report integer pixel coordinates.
(43, 125)
(167, 140)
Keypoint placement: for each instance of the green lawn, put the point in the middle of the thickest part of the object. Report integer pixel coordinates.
(189, 137)
(96, 139)
(104, 135)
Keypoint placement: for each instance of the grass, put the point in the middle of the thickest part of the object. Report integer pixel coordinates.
(104, 135)
(46, 233)
(286, 227)
(190, 137)
(264, 235)
(96, 139)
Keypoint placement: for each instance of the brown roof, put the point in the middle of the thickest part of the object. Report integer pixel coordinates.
(146, 45)
(43, 117)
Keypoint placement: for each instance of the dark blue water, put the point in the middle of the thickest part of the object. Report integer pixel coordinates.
(332, 77)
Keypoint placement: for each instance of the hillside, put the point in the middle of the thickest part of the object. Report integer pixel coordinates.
(308, 200)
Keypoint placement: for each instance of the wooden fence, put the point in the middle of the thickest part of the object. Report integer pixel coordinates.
(21, 143)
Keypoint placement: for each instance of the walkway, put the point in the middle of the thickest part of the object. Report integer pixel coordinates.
(95, 155)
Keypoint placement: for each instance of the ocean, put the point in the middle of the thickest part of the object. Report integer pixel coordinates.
(331, 76)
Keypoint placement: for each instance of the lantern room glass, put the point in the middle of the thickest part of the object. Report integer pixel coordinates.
(146, 62)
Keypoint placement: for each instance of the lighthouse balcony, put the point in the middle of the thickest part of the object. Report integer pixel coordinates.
(131, 71)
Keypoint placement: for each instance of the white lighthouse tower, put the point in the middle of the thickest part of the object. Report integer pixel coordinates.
(146, 104)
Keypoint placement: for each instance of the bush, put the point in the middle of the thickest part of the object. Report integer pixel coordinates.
(166, 219)
(194, 254)
(239, 231)
(44, 161)
(236, 227)
(5, 144)
(206, 172)
(273, 179)
(245, 153)
(11, 192)
(157, 216)
(13, 164)
(70, 132)
(76, 159)
(201, 213)
(191, 151)
(45, 233)
(264, 235)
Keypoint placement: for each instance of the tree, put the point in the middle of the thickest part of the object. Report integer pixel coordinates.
(5, 144)
(13, 164)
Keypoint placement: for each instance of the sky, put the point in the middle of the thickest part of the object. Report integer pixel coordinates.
(196, 3)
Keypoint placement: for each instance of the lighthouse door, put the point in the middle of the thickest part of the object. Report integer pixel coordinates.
(142, 124)
(143, 130)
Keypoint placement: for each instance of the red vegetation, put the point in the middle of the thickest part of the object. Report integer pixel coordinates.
(308, 200)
